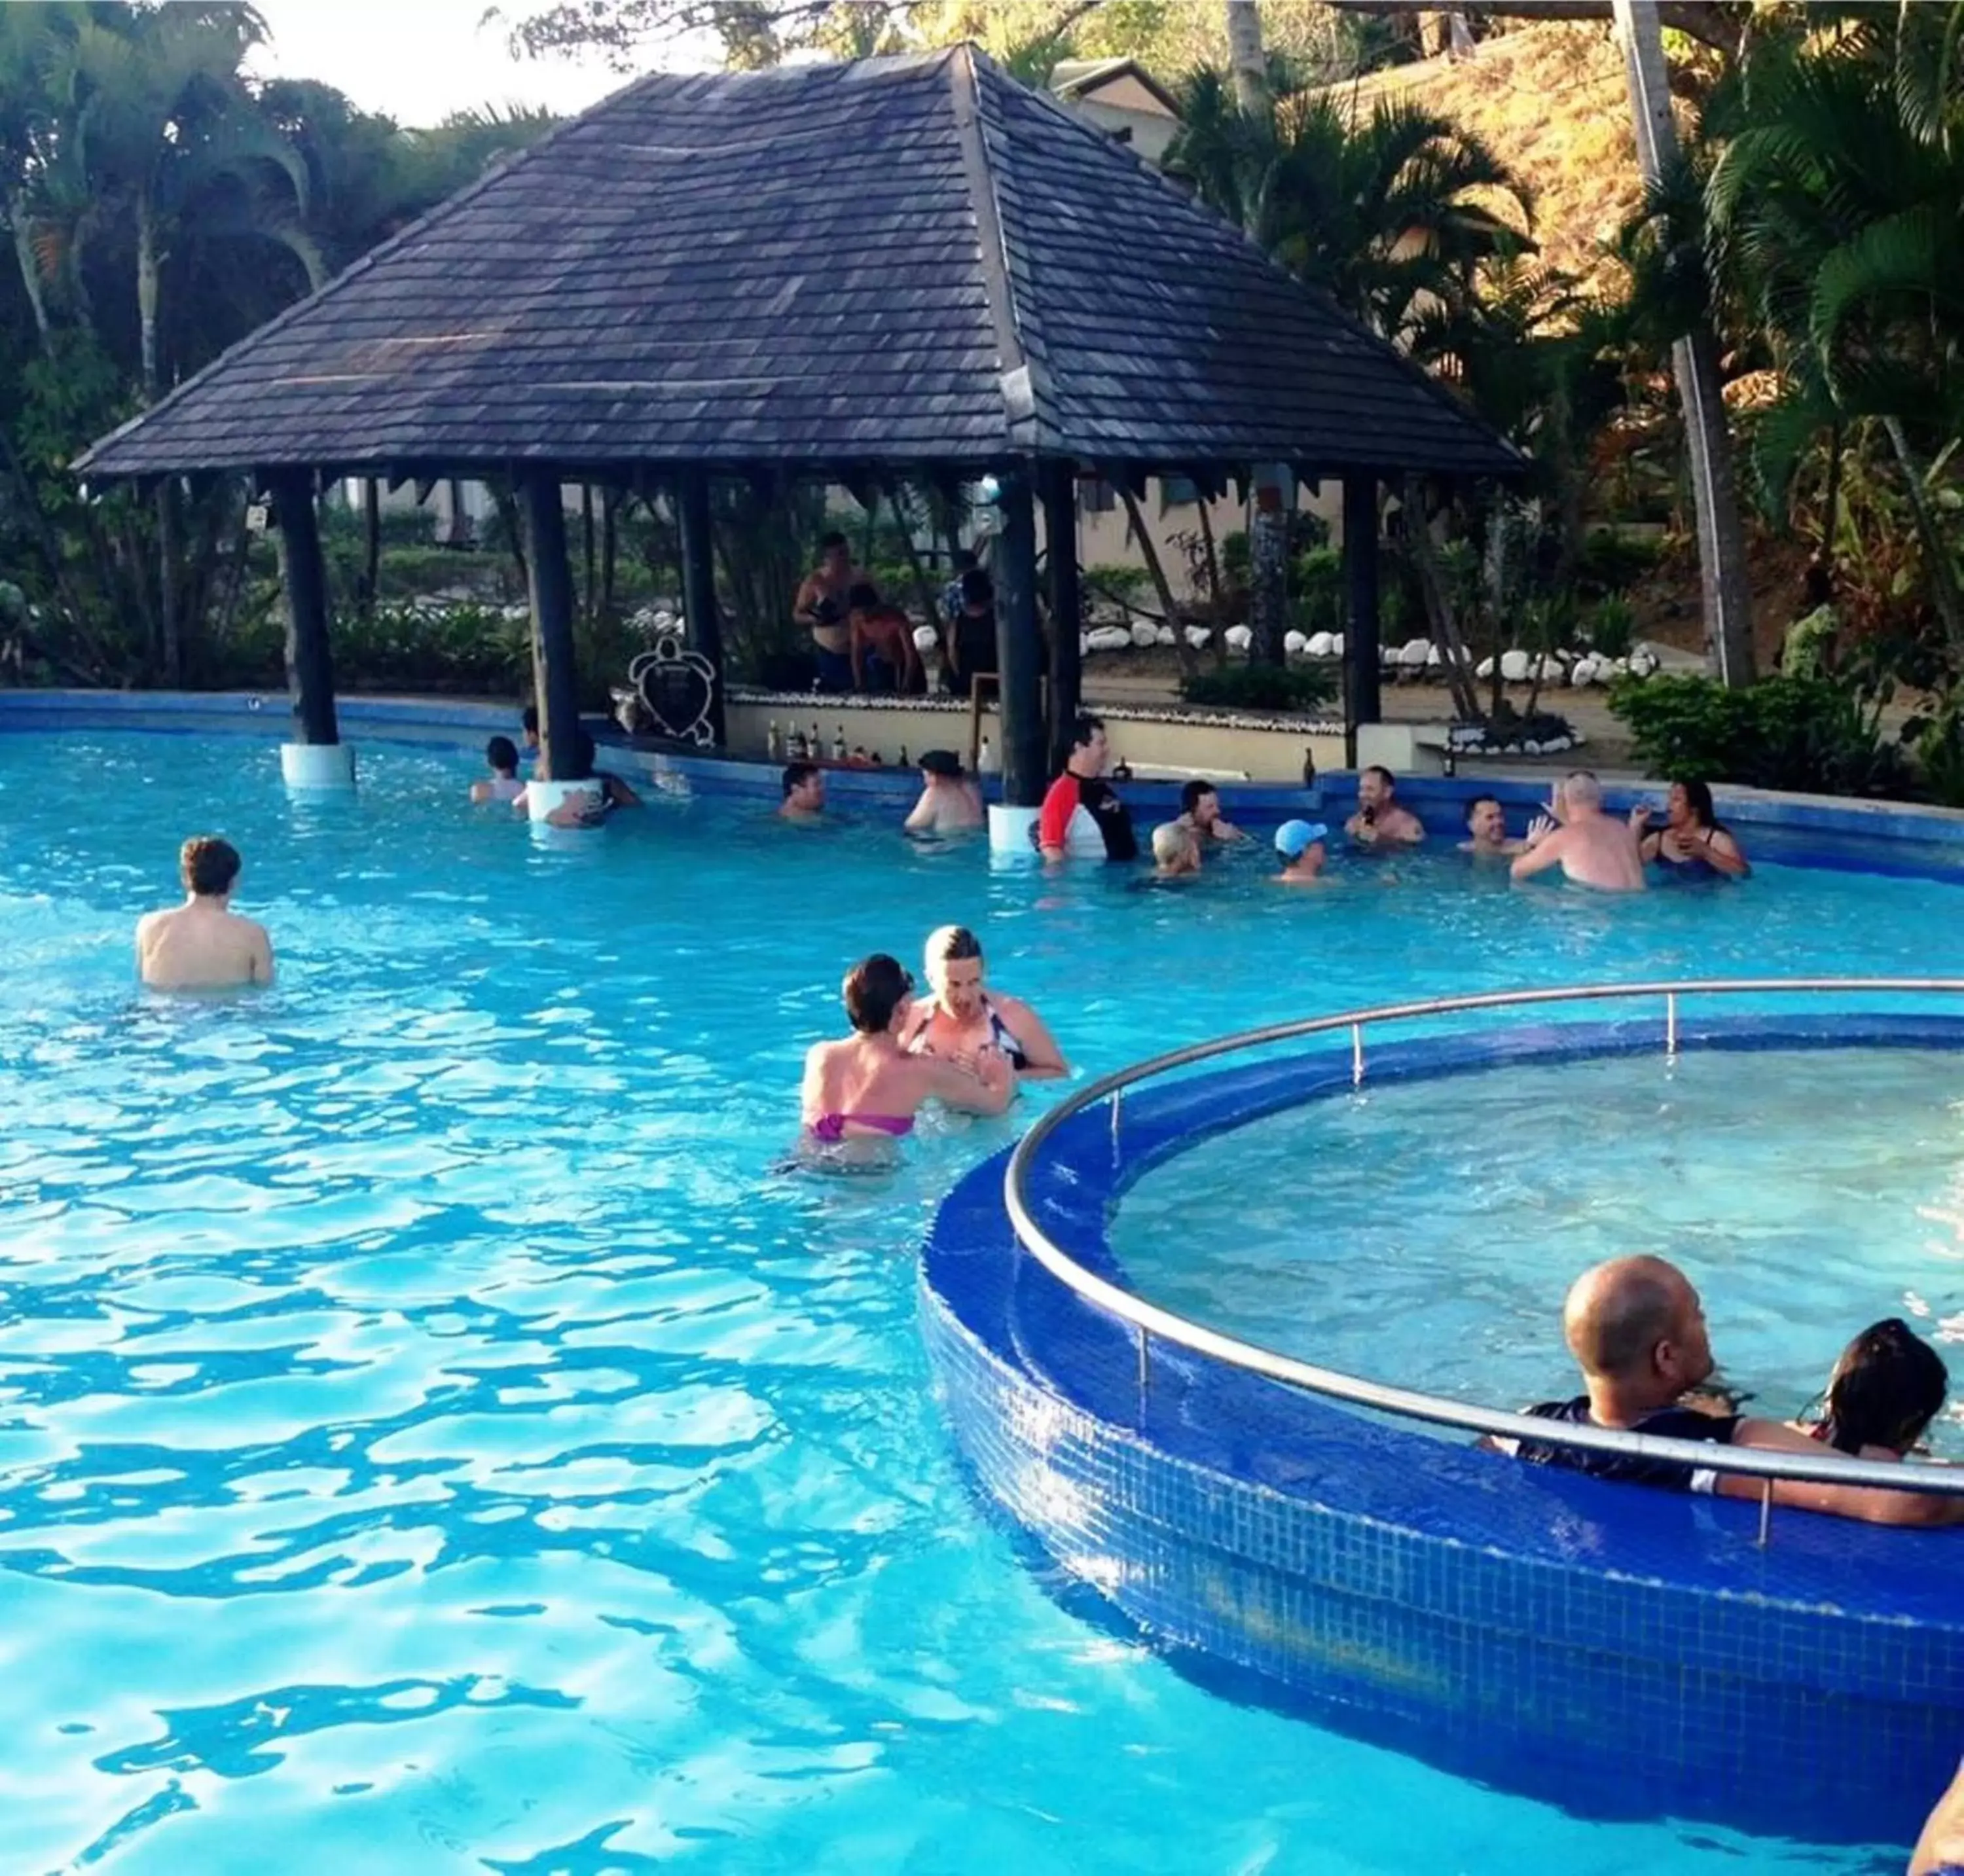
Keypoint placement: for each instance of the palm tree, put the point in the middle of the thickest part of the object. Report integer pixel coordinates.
(1393, 215)
(1838, 207)
(161, 135)
(163, 127)
(27, 37)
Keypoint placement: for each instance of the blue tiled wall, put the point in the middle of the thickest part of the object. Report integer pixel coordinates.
(1618, 1650)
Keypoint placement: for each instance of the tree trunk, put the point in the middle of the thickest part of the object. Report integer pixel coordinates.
(589, 555)
(1721, 539)
(1248, 59)
(1217, 610)
(1942, 572)
(149, 268)
(371, 545)
(169, 649)
(31, 271)
(1155, 571)
(1268, 526)
(610, 548)
(924, 592)
(1830, 502)
(1445, 633)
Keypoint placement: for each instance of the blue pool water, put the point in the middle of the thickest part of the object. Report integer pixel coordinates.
(1423, 1233)
(431, 1437)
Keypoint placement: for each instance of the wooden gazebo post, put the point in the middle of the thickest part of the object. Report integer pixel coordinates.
(555, 675)
(698, 585)
(316, 757)
(1059, 508)
(1361, 648)
(1018, 658)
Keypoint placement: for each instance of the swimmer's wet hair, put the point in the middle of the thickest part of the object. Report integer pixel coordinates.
(1887, 1386)
(209, 865)
(950, 945)
(502, 752)
(873, 990)
(1172, 839)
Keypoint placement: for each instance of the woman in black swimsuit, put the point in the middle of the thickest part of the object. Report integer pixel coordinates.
(1692, 844)
(963, 1019)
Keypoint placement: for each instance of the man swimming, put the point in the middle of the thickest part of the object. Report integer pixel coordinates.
(203, 945)
(1591, 847)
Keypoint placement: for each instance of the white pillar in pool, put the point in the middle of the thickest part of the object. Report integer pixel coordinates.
(318, 759)
(317, 765)
(1011, 828)
(541, 797)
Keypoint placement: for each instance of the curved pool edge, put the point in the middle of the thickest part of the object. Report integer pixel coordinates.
(1501, 1622)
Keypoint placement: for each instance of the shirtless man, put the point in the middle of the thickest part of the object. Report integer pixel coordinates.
(1200, 812)
(883, 655)
(949, 801)
(820, 608)
(803, 784)
(1379, 821)
(1488, 825)
(203, 945)
(1591, 847)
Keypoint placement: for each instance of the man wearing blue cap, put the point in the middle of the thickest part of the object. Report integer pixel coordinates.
(1301, 845)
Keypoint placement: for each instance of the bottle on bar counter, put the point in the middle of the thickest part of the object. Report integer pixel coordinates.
(838, 744)
(813, 748)
(774, 743)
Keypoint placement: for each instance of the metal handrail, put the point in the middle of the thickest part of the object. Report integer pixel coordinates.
(1150, 1320)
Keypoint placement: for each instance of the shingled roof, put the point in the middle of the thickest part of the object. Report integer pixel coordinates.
(899, 262)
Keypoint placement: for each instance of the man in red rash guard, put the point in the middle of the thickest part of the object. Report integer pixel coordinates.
(1083, 789)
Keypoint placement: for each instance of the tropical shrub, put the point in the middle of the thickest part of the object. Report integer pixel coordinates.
(1807, 734)
(1612, 627)
(1288, 689)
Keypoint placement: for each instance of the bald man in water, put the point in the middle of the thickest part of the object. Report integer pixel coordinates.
(1636, 1328)
(203, 945)
(1591, 847)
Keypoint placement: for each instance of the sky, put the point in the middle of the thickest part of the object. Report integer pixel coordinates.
(418, 60)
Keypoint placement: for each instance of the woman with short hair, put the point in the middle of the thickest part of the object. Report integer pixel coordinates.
(963, 1022)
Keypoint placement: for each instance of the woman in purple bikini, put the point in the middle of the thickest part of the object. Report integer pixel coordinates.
(869, 1088)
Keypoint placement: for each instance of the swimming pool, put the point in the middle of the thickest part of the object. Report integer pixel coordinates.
(432, 1438)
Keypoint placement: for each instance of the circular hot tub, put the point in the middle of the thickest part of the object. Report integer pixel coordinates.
(1341, 1546)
